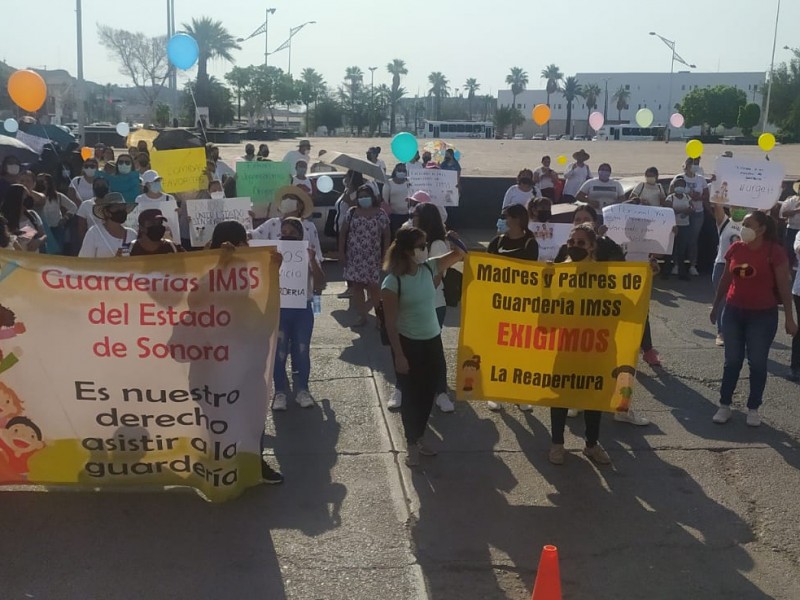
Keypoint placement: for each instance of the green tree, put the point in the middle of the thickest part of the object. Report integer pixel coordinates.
(784, 110)
(354, 77)
(397, 68)
(214, 42)
(328, 113)
(572, 90)
(554, 76)
(162, 115)
(310, 87)
(238, 78)
(220, 103)
(711, 107)
(518, 80)
(590, 93)
(471, 86)
(621, 96)
(749, 115)
(506, 116)
(440, 88)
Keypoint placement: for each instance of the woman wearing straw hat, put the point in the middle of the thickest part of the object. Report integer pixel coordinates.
(575, 175)
(109, 237)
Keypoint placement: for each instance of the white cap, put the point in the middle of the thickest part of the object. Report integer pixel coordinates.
(150, 176)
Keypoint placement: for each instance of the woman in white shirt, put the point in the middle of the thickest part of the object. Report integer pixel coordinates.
(395, 192)
(109, 237)
(292, 201)
(522, 192)
(154, 197)
(649, 192)
(57, 209)
(80, 188)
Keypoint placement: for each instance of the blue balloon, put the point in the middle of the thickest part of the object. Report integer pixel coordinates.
(404, 146)
(182, 51)
(457, 155)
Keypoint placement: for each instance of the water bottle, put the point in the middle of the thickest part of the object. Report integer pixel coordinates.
(316, 304)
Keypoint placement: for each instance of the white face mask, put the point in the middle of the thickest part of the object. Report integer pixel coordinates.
(217, 195)
(401, 175)
(124, 169)
(12, 169)
(155, 187)
(288, 205)
(748, 235)
(89, 172)
(420, 255)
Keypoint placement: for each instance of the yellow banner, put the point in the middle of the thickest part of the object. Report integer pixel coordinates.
(563, 335)
(182, 170)
(150, 371)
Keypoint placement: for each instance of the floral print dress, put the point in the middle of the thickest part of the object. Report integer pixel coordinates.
(363, 249)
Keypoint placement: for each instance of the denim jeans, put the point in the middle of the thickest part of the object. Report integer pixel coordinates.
(716, 276)
(680, 251)
(696, 220)
(294, 338)
(747, 333)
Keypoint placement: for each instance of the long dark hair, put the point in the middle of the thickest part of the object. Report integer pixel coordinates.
(49, 186)
(768, 223)
(5, 234)
(228, 231)
(356, 179)
(376, 202)
(13, 206)
(429, 220)
(399, 255)
(590, 210)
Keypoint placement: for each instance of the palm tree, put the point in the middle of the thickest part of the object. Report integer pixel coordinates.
(572, 90)
(621, 96)
(439, 89)
(397, 68)
(213, 42)
(518, 80)
(354, 76)
(590, 93)
(471, 86)
(554, 76)
(311, 87)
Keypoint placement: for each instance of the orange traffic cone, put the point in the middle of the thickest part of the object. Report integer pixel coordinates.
(548, 578)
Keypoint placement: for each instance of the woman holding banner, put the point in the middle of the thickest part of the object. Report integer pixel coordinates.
(582, 246)
(409, 303)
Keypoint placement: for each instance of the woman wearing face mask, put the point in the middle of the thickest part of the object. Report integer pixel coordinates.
(9, 173)
(515, 241)
(409, 302)
(680, 202)
(756, 278)
(56, 211)
(581, 247)
(395, 192)
(80, 189)
(649, 192)
(154, 197)
(296, 328)
(23, 222)
(125, 179)
(150, 238)
(697, 190)
(545, 179)
(540, 210)
(300, 178)
(729, 230)
(109, 237)
(361, 240)
(85, 214)
(522, 192)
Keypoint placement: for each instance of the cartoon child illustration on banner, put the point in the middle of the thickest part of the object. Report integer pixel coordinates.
(9, 328)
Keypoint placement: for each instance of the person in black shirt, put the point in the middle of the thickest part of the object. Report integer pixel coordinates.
(517, 241)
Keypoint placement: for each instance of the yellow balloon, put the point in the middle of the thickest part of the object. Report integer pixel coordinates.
(766, 141)
(694, 148)
(541, 114)
(562, 160)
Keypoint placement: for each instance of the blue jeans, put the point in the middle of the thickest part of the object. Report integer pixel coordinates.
(294, 338)
(716, 276)
(750, 333)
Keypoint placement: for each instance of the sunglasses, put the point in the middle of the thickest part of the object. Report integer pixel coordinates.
(578, 243)
(123, 162)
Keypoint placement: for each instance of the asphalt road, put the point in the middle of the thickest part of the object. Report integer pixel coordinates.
(689, 509)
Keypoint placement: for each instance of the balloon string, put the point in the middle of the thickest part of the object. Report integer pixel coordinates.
(194, 102)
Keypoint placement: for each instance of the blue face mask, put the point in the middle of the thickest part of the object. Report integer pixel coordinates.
(502, 226)
(365, 202)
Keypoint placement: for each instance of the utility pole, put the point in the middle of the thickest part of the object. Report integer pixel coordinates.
(372, 94)
(81, 94)
(771, 68)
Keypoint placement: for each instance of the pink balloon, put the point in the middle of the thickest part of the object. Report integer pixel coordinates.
(676, 120)
(596, 120)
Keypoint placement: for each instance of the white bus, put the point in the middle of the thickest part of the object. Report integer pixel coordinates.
(630, 133)
(458, 129)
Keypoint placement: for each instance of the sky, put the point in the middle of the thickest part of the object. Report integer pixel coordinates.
(470, 38)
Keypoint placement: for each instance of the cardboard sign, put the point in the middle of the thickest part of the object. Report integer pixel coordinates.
(182, 170)
(550, 237)
(441, 185)
(259, 180)
(747, 182)
(205, 214)
(640, 230)
(294, 271)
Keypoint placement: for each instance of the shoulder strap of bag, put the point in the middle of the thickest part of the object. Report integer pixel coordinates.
(723, 226)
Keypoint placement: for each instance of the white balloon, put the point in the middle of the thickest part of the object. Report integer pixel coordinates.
(325, 184)
(11, 125)
(123, 129)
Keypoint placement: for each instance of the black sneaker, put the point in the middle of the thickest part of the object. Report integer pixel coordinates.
(270, 475)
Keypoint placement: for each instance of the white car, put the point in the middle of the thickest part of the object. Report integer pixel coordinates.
(552, 138)
(519, 136)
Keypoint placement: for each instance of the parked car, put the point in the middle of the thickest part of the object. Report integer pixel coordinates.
(579, 138)
(519, 136)
(538, 136)
(552, 138)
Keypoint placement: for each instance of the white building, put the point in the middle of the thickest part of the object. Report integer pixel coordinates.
(647, 90)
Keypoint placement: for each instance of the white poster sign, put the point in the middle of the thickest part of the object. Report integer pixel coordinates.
(168, 208)
(294, 271)
(640, 230)
(550, 237)
(205, 214)
(747, 182)
(441, 185)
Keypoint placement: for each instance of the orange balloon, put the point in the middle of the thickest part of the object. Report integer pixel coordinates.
(541, 114)
(27, 89)
(87, 153)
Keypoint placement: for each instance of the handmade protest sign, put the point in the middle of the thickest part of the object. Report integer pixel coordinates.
(640, 230)
(441, 185)
(259, 180)
(168, 208)
(747, 182)
(556, 335)
(550, 237)
(158, 376)
(294, 271)
(204, 215)
(181, 170)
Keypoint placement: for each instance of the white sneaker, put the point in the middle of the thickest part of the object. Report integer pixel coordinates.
(693, 271)
(492, 405)
(396, 400)
(444, 403)
(304, 398)
(753, 418)
(525, 407)
(573, 412)
(630, 417)
(723, 415)
(279, 401)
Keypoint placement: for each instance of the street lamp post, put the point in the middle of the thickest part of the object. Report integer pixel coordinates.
(771, 68)
(675, 56)
(81, 107)
(288, 43)
(372, 93)
(265, 30)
